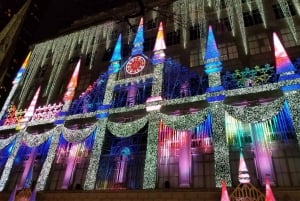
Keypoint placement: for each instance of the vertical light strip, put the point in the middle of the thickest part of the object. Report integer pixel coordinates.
(239, 13)
(288, 17)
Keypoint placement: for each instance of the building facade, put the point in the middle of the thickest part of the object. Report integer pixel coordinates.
(171, 99)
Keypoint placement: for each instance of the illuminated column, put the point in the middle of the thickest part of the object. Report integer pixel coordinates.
(213, 67)
(293, 103)
(10, 161)
(15, 85)
(150, 169)
(213, 64)
(91, 175)
(221, 149)
(71, 164)
(113, 69)
(28, 167)
(42, 179)
(262, 153)
(185, 159)
(69, 95)
(131, 95)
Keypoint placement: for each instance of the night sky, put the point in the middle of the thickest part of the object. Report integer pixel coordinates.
(44, 20)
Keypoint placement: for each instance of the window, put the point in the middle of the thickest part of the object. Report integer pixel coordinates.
(114, 35)
(288, 39)
(126, 49)
(196, 58)
(151, 24)
(149, 43)
(258, 44)
(252, 18)
(194, 32)
(228, 51)
(107, 55)
(173, 38)
(222, 25)
(278, 12)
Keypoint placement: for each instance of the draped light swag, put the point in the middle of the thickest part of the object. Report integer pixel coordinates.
(7, 141)
(185, 122)
(77, 135)
(36, 140)
(256, 113)
(127, 129)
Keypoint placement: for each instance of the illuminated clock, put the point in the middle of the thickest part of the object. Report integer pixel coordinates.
(135, 65)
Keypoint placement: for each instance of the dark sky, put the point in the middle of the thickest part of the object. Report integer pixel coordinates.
(44, 20)
(47, 17)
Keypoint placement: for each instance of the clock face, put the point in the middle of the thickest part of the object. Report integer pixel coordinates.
(135, 65)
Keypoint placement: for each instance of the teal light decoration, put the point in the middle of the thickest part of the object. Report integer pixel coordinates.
(116, 57)
(138, 46)
(212, 55)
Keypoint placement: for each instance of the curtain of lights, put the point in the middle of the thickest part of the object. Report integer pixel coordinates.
(122, 161)
(27, 165)
(70, 164)
(262, 137)
(185, 157)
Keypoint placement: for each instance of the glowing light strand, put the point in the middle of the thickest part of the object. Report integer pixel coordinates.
(229, 9)
(288, 16)
(239, 13)
(261, 10)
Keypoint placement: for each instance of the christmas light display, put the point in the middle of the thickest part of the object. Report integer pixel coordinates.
(180, 114)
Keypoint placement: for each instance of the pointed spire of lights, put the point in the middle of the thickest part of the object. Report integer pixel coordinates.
(244, 177)
(159, 47)
(224, 195)
(212, 55)
(69, 94)
(138, 40)
(22, 69)
(283, 63)
(30, 111)
(116, 57)
(269, 194)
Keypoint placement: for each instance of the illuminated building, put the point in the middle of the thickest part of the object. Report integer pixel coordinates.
(178, 104)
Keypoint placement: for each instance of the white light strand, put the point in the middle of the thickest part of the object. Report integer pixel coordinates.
(229, 9)
(74, 39)
(239, 13)
(297, 5)
(202, 25)
(209, 3)
(32, 70)
(288, 16)
(218, 8)
(55, 62)
(91, 40)
(249, 4)
(95, 44)
(261, 10)
(64, 49)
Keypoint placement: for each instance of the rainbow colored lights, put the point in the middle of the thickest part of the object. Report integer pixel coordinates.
(69, 94)
(160, 41)
(22, 69)
(282, 60)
